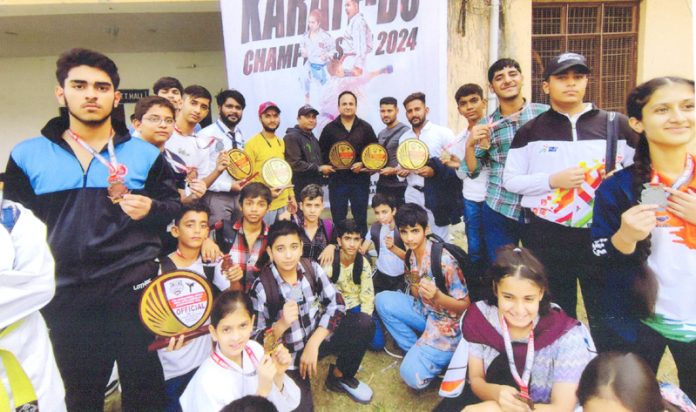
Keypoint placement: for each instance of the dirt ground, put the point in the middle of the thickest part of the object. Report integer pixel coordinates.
(381, 372)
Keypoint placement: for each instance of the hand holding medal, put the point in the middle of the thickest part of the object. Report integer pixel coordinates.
(270, 342)
(117, 172)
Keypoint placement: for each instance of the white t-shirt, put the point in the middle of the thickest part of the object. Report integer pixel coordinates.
(221, 133)
(387, 262)
(473, 189)
(180, 362)
(436, 138)
(216, 385)
(187, 147)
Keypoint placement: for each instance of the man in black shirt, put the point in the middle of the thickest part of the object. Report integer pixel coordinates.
(388, 183)
(348, 185)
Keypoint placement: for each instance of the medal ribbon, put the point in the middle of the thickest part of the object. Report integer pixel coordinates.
(23, 391)
(522, 382)
(116, 170)
(178, 167)
(512, 117)
(212, 139)
(685, 177)
(223, 363)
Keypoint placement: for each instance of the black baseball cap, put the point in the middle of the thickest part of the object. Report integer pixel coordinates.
(306, 109)
(565, 61)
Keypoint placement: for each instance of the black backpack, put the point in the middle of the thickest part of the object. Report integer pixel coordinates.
(224, 235)
(274, 300)
(374, 234)
(336, 267)
(473, 273)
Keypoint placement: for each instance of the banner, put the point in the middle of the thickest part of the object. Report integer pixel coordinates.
(294, 52)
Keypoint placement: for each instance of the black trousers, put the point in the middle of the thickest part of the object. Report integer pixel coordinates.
(651, 346)
(382, 282)
(93, 325)
(566, 254)
(349, 344)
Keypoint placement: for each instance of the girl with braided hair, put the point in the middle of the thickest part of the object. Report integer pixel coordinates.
(644, 229)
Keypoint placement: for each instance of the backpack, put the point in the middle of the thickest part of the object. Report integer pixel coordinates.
(224, 235)
(274, 300)
(336, 267)
(374, 234)
(328, 229)
(473, 273)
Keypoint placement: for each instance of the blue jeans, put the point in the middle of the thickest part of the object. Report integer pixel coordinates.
(500, 230)
(473, 221)
(403, 317)
(355, 193)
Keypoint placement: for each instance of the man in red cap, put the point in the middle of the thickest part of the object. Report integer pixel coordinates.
(266, 145)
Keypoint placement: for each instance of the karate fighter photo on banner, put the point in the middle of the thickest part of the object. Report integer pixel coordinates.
(298, 52)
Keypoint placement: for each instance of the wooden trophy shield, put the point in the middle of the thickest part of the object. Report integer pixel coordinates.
(176, 303)
(277, 173)
(342, 155)
(374, 156)
(412, 154)
(240, 166)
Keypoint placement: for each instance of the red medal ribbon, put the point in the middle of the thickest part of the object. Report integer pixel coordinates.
(522, 382)
(220, 361)
(116, 171)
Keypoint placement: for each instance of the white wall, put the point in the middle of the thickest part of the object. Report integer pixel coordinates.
(27, 86)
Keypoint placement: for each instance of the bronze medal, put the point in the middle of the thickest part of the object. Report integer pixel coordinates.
(240, 166)
(276, 172)
(226, 263)
(413, 277)
(116, 190)
(342, 155)
(374, 156)
(192, 174)
(412, 154)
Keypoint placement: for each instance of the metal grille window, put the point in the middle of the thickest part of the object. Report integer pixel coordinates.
(605, 33)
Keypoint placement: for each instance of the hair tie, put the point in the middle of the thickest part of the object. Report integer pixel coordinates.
(518, 250)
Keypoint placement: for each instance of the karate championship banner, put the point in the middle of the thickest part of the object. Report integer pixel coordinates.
(294, 52)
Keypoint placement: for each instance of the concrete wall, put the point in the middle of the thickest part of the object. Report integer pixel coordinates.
(468, 52)
(665, 39)
(28, 84)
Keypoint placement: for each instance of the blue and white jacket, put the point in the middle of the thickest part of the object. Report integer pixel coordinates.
(90, 237)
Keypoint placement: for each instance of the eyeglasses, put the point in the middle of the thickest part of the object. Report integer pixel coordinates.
(156, 119)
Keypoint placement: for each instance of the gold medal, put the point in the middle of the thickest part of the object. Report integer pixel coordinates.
(270, 343)
(342, 155)
(176, 303)
(240, 166)
(412, 154)
(276, 172)
(374, 156)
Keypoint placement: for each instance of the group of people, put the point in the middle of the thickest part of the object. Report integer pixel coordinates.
(550, 196)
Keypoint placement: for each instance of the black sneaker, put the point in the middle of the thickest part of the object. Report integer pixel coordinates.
(356, 390)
